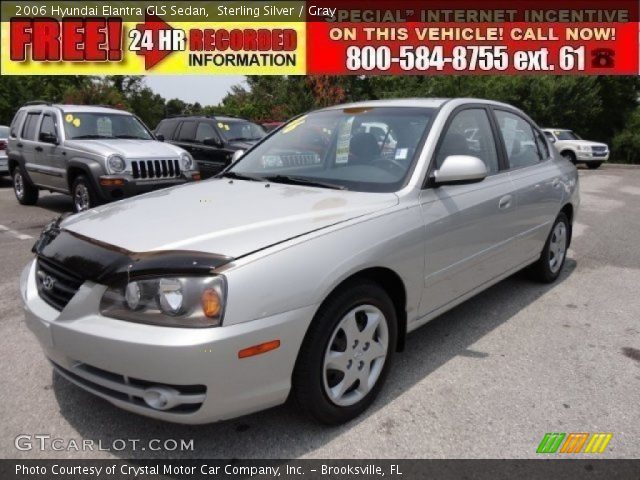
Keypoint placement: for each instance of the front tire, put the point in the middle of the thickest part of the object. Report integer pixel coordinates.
(548, 267)
(594, 165)
(569, 155)
(346, 354)
(83, 193)
(26, 192)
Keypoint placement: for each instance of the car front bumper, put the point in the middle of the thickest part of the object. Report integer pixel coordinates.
(120, 360)
(592, 157)
(116, 187)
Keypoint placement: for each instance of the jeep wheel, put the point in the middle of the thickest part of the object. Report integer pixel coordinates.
(84, 196)
(346, 353)
(26, 192)
(594, 165)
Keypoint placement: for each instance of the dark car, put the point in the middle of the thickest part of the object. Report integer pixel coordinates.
(211, 140)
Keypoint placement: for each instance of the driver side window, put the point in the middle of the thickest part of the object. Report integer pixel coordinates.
(469, 133)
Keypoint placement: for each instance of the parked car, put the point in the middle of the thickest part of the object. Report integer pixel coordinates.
(95, 154)
(4, 163)
(211, 140)
(304, 265)
(577, 150)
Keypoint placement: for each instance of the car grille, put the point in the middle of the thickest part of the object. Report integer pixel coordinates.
(56, 286)
(155, 168)
(599, 151)
(128, 389)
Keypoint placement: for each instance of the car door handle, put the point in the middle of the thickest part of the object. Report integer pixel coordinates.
(38, 149)
(19, 145)
(505, 202)
(556, 183)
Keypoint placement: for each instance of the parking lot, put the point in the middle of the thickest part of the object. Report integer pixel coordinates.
(486, 380)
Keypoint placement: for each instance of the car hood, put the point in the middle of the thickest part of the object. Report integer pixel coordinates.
(220, 216)
(587, 143)
(127, 148)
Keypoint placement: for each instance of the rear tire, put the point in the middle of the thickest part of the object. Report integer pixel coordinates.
(26, 192)
(346, 354)
(549, 266)
(83, 194)
(593, 165)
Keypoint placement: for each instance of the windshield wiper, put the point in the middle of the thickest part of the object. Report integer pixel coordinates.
(242, 176)
(90, 137)
(134, 137)
(293, 180)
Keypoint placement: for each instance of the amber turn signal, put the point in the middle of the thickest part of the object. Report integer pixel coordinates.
(211, 303)
(111, 182)
(196, 176)
(258, 349)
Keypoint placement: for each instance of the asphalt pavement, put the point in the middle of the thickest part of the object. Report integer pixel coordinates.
(486, 380)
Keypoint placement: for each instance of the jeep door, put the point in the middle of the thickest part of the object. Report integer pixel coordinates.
(49, 155)
(469, 228)
(27, 145)
(537, 177)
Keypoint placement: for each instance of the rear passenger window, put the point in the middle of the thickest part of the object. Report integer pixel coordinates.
(469, 133)
(543, 147)
(519, 140)
(187, 132)
(29, 129)
(166, 128)
(17, 120)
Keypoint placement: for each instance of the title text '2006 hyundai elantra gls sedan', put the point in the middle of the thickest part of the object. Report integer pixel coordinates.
(300, 269)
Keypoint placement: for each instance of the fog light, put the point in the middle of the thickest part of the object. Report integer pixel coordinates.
(171, 296)
(161, 398)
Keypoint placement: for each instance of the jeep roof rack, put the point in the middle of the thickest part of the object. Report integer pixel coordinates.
(37, 102)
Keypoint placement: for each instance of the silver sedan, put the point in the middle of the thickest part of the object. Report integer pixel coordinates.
(301, 268)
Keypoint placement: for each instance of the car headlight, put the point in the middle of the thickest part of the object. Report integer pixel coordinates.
(168, 301)
(187, 161)
(584, 148)
(116, 164)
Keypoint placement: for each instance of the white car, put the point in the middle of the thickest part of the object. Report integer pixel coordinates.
(577, 150)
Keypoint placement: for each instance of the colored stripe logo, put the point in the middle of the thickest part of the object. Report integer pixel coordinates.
(574, 442)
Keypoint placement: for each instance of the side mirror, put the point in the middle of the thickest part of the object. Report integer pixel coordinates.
(236, 155)
(552, 140)
(212, 142)
(460, 169)
(48, 138)
(160, 137)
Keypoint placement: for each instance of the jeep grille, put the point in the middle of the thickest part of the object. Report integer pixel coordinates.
(155, 168)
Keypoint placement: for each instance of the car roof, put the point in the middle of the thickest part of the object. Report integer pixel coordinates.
(420, 102)
(557, 130)
(77, 108)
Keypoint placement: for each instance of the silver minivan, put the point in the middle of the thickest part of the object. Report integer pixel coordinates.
(300, 269)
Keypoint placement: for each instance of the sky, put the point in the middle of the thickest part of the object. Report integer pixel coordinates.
(206, 89)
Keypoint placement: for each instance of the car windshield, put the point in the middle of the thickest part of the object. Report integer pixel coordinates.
(361, 149)
(234, 130)
(566, 135)
(4, 132)
(92, 126)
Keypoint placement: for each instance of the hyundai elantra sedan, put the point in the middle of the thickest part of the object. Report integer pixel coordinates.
(300, 269)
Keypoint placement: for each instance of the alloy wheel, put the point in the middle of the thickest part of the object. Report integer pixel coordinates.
(81, 197)
(557, 246)
(355, 355)
(18, 185)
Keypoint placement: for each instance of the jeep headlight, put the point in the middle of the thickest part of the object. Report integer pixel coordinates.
(187, 161)
(584, 148)
(169, 301)
(116, 164)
